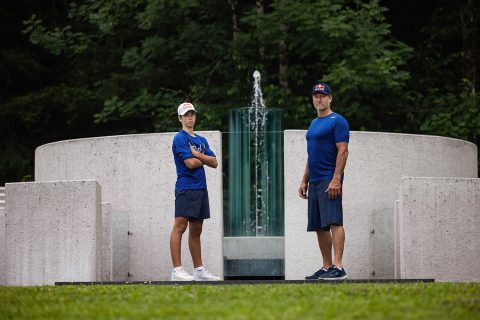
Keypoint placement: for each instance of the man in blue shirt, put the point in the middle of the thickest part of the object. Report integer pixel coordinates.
(327, 149)
(190, 152)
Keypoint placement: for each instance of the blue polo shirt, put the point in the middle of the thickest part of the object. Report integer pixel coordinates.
(322, 136)
(188, 178)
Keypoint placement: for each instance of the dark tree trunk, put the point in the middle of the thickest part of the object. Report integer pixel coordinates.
(261, 8)
(283, 61)
(235, 19)
(468, 19)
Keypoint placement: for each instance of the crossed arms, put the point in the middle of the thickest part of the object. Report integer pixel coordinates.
(199, 160)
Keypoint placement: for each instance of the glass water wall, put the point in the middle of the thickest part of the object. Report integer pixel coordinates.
(256, 205)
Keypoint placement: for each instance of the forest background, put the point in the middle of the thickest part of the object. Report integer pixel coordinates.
(73, 69)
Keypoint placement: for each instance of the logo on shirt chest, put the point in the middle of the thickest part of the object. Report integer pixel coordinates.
(200, 148)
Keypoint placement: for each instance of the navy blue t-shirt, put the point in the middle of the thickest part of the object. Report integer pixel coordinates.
(322, 136)
(189, 178)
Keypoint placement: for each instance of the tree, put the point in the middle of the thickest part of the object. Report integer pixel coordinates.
(167, 51)
(28, 105)
(444, 89)
(346, 44)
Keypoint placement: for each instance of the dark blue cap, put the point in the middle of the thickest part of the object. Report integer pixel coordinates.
(321, 88)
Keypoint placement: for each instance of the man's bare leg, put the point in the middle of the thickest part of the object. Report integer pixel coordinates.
(338, 237)
(194, 244)
(325, 244)
(179, 227)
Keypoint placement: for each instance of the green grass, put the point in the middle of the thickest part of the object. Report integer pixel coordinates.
(343, 301)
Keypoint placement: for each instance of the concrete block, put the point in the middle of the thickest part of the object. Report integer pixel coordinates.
(2, 247)
(254, 268)
(106, 271)
(253, 248)
(254, 256)
(53, 232)
(439, 222)
(137, 175)
(375, 165)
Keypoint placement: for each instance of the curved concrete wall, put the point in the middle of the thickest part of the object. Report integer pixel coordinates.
(375, 166)
(137, 176)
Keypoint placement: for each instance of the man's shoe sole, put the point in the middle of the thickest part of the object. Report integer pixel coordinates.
(206, 280)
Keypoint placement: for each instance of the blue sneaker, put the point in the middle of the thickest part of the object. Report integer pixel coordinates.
(316, 275)
(334, 274)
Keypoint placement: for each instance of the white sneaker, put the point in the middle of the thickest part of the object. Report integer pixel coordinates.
(181, 275)
(204, 275)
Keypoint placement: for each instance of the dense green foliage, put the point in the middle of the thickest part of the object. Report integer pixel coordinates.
(343, 301)
(101, 67)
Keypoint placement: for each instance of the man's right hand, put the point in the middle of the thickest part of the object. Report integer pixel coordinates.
(302, 191)
(194, 151)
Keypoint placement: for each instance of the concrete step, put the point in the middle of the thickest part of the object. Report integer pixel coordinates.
(249, 282)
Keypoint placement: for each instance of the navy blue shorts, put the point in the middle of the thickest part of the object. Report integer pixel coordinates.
(322, 211)
(192, 204)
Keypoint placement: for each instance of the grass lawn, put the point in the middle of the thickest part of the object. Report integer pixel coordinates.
(272, 301)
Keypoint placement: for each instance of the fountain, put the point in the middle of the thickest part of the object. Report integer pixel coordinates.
(254, 217)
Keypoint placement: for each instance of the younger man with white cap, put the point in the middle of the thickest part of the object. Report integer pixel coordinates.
(190, 152)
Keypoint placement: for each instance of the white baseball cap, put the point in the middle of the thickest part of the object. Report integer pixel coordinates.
(185, 107)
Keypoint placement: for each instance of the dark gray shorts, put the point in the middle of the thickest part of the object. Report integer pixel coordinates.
(322, 211)
(192, 204)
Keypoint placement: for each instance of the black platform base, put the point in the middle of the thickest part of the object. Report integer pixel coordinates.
(239, 282)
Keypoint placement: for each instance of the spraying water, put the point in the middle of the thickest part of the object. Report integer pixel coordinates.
(257, 120)
(255, 168)
(257, 101)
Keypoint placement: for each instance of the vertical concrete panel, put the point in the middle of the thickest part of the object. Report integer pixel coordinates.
(300, 245)
(138, 175)
(120, 246)
(106, 261)
(2, 246)
(439, 226)
(383, 243)
(396, 241)
(98, 230)
(53, 232)
(375, 165)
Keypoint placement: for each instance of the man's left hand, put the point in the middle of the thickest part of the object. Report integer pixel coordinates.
(334, 188)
